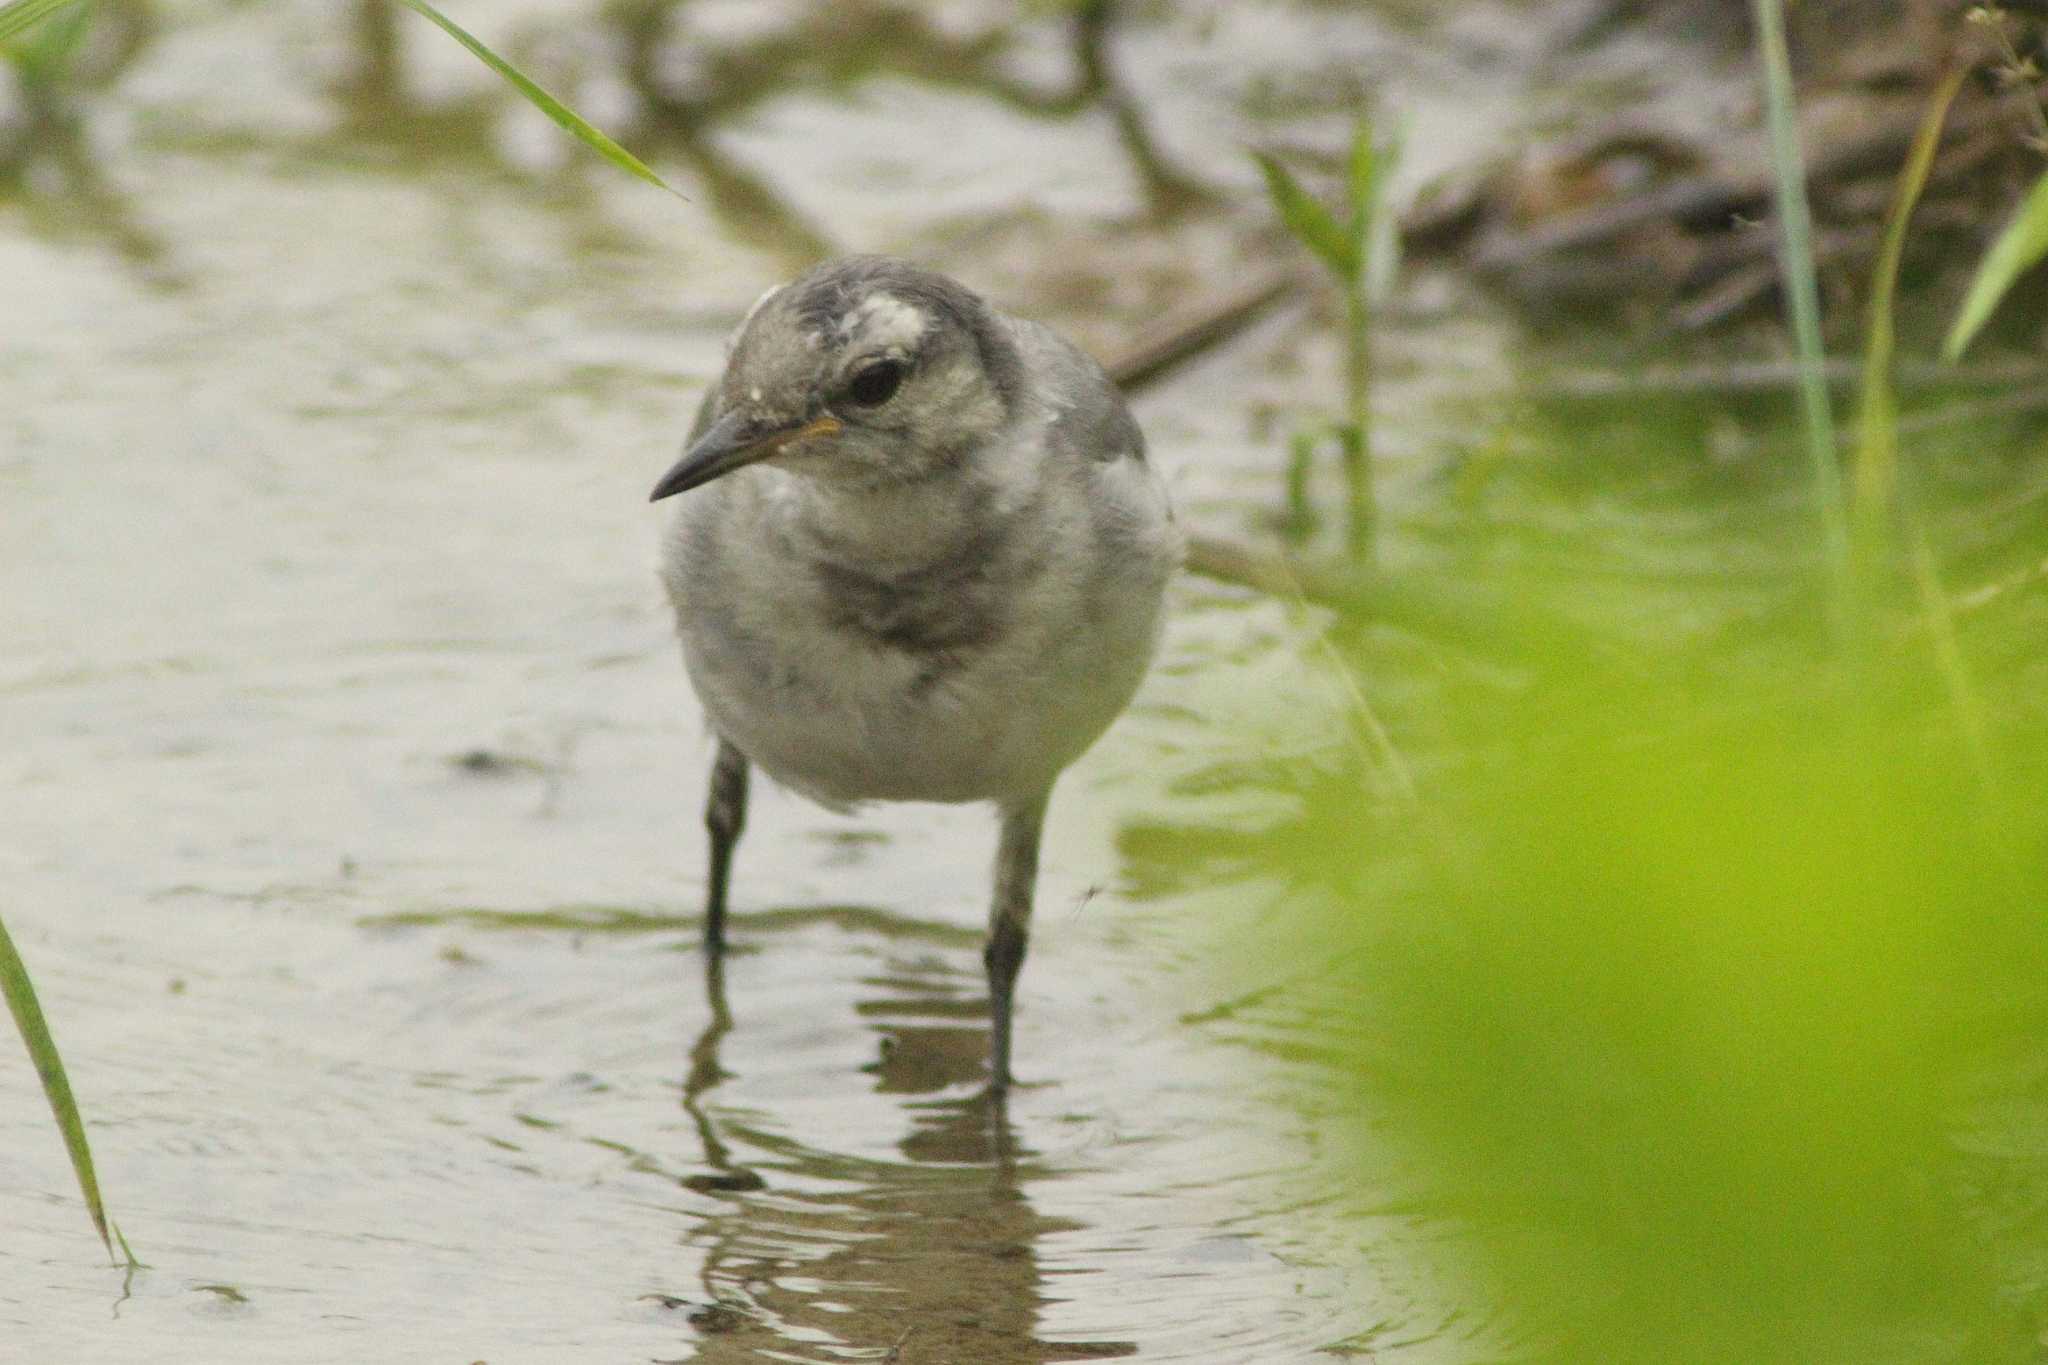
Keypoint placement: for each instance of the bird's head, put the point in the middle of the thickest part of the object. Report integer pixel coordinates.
(863, 371)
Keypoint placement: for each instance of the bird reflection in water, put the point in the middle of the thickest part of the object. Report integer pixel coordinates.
(925, 1260)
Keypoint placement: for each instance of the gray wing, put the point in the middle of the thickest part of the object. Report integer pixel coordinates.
(1091, 420)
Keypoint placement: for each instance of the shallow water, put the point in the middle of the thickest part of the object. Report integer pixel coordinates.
(350, 785)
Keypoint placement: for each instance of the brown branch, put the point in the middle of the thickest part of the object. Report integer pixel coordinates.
(1160, 350)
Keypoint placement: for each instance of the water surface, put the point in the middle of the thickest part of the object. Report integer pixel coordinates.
(350, 786)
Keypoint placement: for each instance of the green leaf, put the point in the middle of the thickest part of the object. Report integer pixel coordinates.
(1314, 225)
(18, 15)
(1380, 233)
(2018, 249)
(539, 98)
(1362, 185)
(42, 1050)
(47, 56)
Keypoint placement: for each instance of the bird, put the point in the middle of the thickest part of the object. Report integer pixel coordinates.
(922, 557)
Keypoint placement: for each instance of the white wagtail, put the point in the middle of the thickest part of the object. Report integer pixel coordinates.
(930, 569)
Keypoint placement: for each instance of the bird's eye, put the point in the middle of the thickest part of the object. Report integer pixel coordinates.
(873, 385)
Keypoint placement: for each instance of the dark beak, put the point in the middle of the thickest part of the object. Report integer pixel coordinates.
(732, 441)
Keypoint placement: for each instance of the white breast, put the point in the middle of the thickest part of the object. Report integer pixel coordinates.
(844, 716)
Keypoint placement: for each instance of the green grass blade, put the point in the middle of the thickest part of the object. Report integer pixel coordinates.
(1383, 252)
(18, 15)
(1877, 446)
(1802, 292)
(1314, 225)
(42, 1049)
(1877, 452)
(1362, 188)
(541, 99)
(2018, 249)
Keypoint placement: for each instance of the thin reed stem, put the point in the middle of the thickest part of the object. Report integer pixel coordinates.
(1802, 294)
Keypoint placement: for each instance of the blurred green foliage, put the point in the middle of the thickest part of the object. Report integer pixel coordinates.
(1679, 1000)
(1701, 992)
(42, 54)
(19, 16)
(1698, 991)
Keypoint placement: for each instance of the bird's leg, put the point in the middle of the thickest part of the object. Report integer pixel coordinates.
(1009, 925)
(725, 815)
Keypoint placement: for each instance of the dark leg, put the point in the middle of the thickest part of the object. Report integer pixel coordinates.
(1009, 926)
(725, 815)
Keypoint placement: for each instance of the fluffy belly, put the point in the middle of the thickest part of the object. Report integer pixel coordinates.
(851, 721)
(866, 724)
